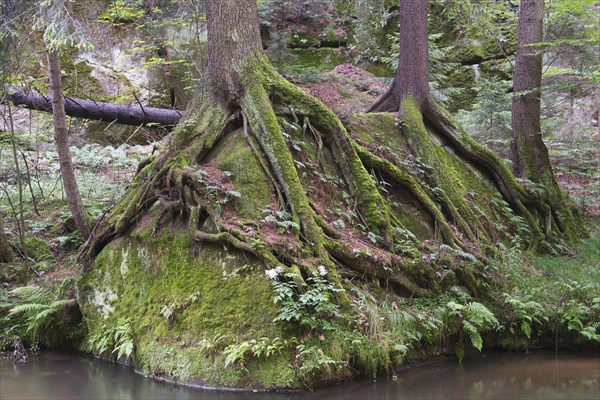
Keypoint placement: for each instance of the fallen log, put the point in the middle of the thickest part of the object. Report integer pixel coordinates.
(127, 114)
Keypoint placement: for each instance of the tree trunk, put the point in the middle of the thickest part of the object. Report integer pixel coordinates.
(62, 146)
(233, 38)
(528, 153)
(5, 253)
(412, 75)
(127, 114)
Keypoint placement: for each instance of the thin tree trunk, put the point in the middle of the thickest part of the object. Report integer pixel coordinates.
(21, 219)
(62, 145)
(528, 152)
(412, 75)
(5, 253)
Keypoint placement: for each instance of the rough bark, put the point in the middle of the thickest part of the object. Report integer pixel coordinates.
(233, 38)
(412, 75)
(127, 114)
(61, 138)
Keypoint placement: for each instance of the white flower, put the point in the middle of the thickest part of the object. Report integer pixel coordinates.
(274, 273)
(322, 270)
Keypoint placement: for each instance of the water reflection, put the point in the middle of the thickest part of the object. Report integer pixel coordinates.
(54, 375)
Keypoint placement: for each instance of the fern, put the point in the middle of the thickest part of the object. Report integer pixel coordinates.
(39, 307)
(473, 319)
(110, 340)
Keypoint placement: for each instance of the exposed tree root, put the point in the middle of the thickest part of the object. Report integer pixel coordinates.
(537, 208)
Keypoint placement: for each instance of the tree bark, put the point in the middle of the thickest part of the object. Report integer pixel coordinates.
(412, 75)
(127, 114)
(528, 152)
(5, 253)
(62, 146)
(233, 37)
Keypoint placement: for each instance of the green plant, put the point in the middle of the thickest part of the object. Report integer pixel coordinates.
(313, 307)
(263, 347)
(471, 319)
(40, 308)
(314, 361)
(282, 219)
(114, 339)
(121, 12)
(579, 317)
(211, 346)
(526, 313)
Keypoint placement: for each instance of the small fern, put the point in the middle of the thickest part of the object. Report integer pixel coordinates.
(116, 339)
(471, 319)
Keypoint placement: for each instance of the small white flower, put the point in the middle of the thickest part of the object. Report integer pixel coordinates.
(322, 270)
(274, 273)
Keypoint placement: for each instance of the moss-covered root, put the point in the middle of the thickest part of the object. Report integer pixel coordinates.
(371, 205)
(480, 158)
(541, 212)
(405, 180)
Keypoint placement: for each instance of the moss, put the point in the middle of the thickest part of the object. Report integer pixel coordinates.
(469, 51)
(464, 78)
(37, 249)
(301, 61)
(78, 80)
(379, 70)
(139, 276)
(233, 155)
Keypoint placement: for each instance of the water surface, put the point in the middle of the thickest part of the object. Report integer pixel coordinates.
(52, 375)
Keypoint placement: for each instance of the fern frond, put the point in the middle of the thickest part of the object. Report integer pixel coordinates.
(28, 308)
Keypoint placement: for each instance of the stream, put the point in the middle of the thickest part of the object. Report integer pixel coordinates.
(54, 375)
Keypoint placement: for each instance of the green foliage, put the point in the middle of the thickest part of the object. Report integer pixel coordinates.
(113, 339)
(526, 313)
(314, 361)
(263, 347)
(59, 28)
(39, 308)
(550, 296)
(472, 319)
(313, 307)
(122, 12)
(491, 114)
(282, 220)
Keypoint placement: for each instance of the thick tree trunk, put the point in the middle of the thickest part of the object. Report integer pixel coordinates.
(62, 146)
(528, 152)
(127, 114)
(233, 37)
(412, 75)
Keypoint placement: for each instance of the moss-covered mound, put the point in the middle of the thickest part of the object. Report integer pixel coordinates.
(189, 288)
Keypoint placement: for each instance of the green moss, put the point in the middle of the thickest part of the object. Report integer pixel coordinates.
(136, 277)
(233, 155)
(469, 51)
(301, 61)
(37, 249)
(78, 80)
